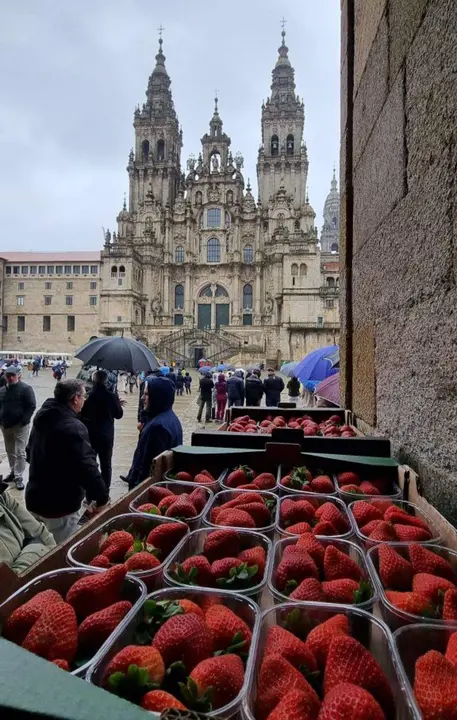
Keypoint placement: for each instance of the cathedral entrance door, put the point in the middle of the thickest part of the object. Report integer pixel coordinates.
(222, 315)
(204, 316)
(198, 354)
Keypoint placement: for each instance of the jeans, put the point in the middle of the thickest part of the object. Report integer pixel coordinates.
(188, 390)
(62, 527)
(104, 450)
(15, 444)
(236, 403)
(201, 404)
(220, 407)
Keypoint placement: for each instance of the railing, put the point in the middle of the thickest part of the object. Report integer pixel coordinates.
(314, 325)
(329, 290)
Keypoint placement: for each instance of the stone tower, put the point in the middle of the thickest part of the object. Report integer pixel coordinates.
(283, 158)
(330, 236)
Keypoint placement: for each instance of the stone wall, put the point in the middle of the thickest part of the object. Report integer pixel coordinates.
(398, 240)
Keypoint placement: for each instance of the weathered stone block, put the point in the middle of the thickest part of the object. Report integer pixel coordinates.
(364, 373)
(367, 18)
(405, 17)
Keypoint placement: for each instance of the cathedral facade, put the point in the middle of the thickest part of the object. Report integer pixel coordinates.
(199, 267)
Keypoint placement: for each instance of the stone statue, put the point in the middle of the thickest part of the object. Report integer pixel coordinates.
(191, 163)
(156, 306)
(239, 161)
(107, 237)
(215, 163)
(268, 303)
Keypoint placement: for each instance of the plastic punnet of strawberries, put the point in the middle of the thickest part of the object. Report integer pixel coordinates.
(203, 477)
(69, 630)
(417, 580)
(320, 674)
(312, 571)
(435, 682)
(300, 478)
(384, 521)
(244, 478)
(300, 515)
(229, 561)
(139, 552)
(351, 482)
(183, 506)
(333, 427)
(249, 510)
(244, 424)
(186, 654)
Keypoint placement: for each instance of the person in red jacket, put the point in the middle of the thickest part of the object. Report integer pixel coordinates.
(221, 396)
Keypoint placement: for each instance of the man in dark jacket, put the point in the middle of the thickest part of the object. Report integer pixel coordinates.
(206, 393)
(235, 389)
(161, 432)
(253, 389)
(273, 386)
(99, 412)
(17, 405)
(63, 466)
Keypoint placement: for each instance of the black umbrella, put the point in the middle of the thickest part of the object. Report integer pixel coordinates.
(118, 353)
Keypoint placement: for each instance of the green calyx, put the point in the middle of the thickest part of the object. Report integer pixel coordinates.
(183, 577)
(290, 587)
(131, 685)
(363, 593)
(237, 644)
(142, 546)
(202, 702)
(155, 614)
(238, 577)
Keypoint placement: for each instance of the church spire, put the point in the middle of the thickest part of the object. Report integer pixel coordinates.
(283, 81)
(215, 123)
(334, 184)
(158, 94)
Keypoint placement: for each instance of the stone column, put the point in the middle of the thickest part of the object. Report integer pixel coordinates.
(236, 320)
(187, 296)
(166, 292)
(257, 316)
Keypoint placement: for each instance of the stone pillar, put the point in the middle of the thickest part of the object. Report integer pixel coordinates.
(166, 292)
(257, 315)
(187, 296)
(236, 320)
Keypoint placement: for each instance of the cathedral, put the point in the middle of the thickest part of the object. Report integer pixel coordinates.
(198, 267)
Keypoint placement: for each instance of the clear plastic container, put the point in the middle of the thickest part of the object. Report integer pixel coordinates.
(178, 487)
(317, 500)
(345, 546)
(193, 545)
(292, 491)
(242, 606)
(61, 580)
(393, 616)
(81, 553)
(225, 495)
(408, 507)
(365, 628)
(274, 489)
(348, 498)
(215, 487)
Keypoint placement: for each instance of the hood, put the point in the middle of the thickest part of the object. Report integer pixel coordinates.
(221, 378)
(50, 414)
(161, 395)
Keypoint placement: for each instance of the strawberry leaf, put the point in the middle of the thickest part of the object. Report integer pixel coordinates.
(363, 593)
(290, 586)
(131, 685)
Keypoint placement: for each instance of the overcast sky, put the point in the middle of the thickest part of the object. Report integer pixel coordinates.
(73, 71)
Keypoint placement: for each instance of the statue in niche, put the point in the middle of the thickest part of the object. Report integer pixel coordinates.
(198, 198)
(281, 218)
(156, 308)
(215, 164)
(268, 303)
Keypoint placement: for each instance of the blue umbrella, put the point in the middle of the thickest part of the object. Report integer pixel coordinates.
(221, 367)
(204, 369)
(317, 366)
(289, 369)
(164, 369)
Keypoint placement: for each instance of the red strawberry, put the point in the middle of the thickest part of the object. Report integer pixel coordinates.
(410, 602)
(195, 570)
(368, 488)
(340, 591)
(199, 498)
(370, 527)
(239, 476)
(243, 498)
(338, 565)
(325, 529)
(228, 629)
(149, 508)
(364, 512)
(224, 675)
(431, 586)
(314, 547)
(166, 503)
(450, 605)
(265, 481)
(23, 618)
(294, 511)
(394, 570)
(157, 492)
(408, 533)
(143, 560)
(203, 479)
(348, 661)
(259, 513)
(116, 545)
(427, 561)
(96, 628)
(276, 678)
(235, 518)
(208, 475)
(221, 568)
(254, 556)
(220, 543)
(350, 702)
(182, 508)
(299, 528)
(280, 641)
(382, 504)
(54, 635)
(248, 486)
(322, 484)
(293, 569)
(451, 651)
(190, 607)
(309, 590)
(297, 705)
(184, 638)
(62, 664)
(321, 636)
(384, 532)
(328, 512)
(353, 489)
(348, 478)
(166, 536)
(395, 514)
(145, 656)
(185, 476)
(159, 701)
(435, 686)
(96, 591)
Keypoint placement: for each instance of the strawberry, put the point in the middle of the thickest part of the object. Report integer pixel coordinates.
(410, 602)
(141, 561)
(239, 476)
(297, 705)
(195, 570)
(299, 528)
(208, 475)
(293, 569)
(280, 641)
(23, 618)
(228, 629)
(348, 478)
(427, 561)
(159, 701)
(254, 556)
(221, 568)
(369, 527)
(157, 492)
(248, 486)
(96, 591)
(364, 512)
(451, 651)
(325, 528)
(435, 686)
(408, 533)
(353, 489)
(381, 504)
(320, 637)
(232, 573)
(220, 543)
(96, 628)
(450, 605)
(431, 586)
(166, 503)
(276, 678)
(348, 661)
(166, 536)
(235, 518)
(384, 532)
(199, 498)
(221, 677)
(338, 565)
(115, 545)
(190, 607)
(185, 476)
(313, 547)
(350, 702)
(54, 635)
(182, 508)
(293, 511)
(340, 591)
(328, 512)
(322, 484)
(309, 590)
(265, 481)
(62, 664)
(148, 508)
(243, 498)
(133, 671)
(204, 479)
(368, 488)
(395, 514)
(184, 638)
(259, 513)
(394, 570)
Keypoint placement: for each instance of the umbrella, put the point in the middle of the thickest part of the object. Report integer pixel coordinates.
(164, 369)
(204, 370)
(288, 369)
(316, 366)
(118, 353)
(329, 389)
(221, 367)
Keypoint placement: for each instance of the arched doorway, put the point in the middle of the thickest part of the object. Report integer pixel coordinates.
(213, 307)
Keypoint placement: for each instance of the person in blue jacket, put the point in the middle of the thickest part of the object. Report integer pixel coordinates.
(161, 432)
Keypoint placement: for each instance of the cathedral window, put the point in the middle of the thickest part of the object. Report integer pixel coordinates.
(247, 319)
(121, 271)
(294, 269)
(247, 297)
(220, 291)
(290, 145)
(145, 150)
(179, 319)
(206, 292)
(248, 254)
(213, 218)
(114, 271)
(275, 145)
(330, 281)
(334, 247)
(179, 254)
(179, 297)
(303, 270)
(160, 150)
(213, 251)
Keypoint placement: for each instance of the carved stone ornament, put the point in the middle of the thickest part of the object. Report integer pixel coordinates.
(268, 303)
(156, 305)
(213, 193)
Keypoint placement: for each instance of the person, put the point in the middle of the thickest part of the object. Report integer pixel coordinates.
(273, 387)
(98, 414)
(132, 381)
(293, 387)
(161, 432)
(142, 417)
(253, 389)
(221, 396)
(188, 383)
(36, 366)
(30, 369)
(23, 540)
(179, 383)
(17, 405)
(172, 376)
(235, 389)
(57, 372)
(63, 466)
(206, 389)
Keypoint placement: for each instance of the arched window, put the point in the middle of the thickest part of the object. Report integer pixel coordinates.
(248, 254)
(330, 281)
(274, 145)
(179, 297)
(220, 291)
(160, 150)
(334, 247)
(247, 297)
(303, 270)
(206, 291)
(121, 271)
(290, 145)
(145, 150)
(114, 271)
(213, 251)
(294, 269)
(213, 218)
(179, 254)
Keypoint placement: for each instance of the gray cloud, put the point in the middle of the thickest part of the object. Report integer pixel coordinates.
(72, 73)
